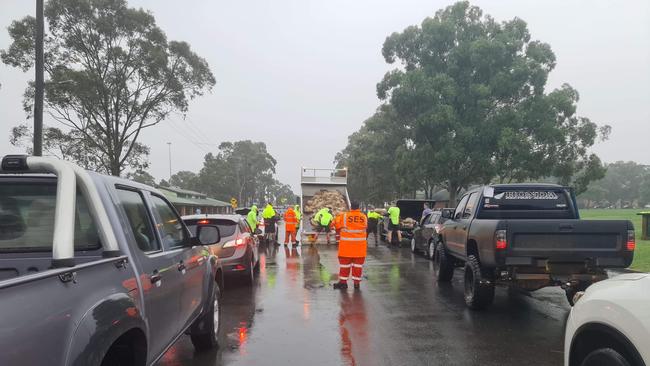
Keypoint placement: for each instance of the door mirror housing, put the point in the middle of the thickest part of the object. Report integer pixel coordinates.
(446, 214)
(208, 234)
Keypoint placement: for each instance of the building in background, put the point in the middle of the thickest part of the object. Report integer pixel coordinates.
(189, 202)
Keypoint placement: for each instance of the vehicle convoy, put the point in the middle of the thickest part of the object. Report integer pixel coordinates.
(410, 211)
(313, 181)
(528, 236)
(427, 231)
(98, 270)
(238, 249)
(610, 323)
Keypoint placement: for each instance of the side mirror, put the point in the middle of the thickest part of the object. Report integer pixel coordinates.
(446, 214)
(208, 234)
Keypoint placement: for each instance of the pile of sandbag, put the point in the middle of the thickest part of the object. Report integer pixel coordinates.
(325, 198)
(408, 223)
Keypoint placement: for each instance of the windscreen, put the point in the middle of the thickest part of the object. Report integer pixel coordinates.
(27, 218)
(226, 227)
(527, 203)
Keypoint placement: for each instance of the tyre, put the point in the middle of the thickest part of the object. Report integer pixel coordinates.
(479, 285)
(605, 357)
(205, 332)
(442, 264)
(431, 250)
(414, 249)
(249, 274)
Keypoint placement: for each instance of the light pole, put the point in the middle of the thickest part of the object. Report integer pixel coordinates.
(39, 82)
(169, 144)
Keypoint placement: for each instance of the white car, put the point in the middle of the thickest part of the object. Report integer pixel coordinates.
(610, 323)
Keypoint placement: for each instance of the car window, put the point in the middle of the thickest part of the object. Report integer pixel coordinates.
(471, 203)
(171, 229)
(434, 218)
(27, 218)
(133, 205)
(460, 207)
(243, 226)
(226, 227)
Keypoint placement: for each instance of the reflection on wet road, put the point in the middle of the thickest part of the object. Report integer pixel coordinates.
(401, 316)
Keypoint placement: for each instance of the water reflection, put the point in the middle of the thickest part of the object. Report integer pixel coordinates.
(353, 328)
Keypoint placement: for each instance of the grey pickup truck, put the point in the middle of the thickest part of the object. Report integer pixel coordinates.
(528, 236)
(97, 270)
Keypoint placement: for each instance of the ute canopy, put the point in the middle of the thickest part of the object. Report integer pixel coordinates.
(413, 208)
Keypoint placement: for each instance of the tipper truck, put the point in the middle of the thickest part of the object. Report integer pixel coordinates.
(313, 181)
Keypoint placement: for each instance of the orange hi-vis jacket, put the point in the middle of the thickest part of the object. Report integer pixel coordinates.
(290, 220)
(352, 226)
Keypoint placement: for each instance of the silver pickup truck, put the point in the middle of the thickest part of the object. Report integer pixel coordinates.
(97, 270)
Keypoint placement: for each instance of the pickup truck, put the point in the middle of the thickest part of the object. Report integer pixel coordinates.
(528, 236)
(98, 270)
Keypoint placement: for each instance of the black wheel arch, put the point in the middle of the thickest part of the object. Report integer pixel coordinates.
(592, 336)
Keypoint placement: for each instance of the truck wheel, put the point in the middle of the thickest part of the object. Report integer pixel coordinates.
(414, 249)
(605, 356)
(442, 264)
(479, 286)
(205, 332)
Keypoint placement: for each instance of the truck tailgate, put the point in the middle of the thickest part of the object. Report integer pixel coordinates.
(604, 241)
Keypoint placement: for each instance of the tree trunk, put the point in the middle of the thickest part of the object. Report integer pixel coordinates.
(115, 167)
(452, 188)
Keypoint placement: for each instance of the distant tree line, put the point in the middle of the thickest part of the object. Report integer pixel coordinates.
(467, 105)
(243, 170)
(626, 184)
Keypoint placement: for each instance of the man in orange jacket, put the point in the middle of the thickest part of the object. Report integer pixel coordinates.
(290, 222)
(352, 245)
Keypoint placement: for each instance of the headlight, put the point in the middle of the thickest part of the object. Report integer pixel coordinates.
(578, 296)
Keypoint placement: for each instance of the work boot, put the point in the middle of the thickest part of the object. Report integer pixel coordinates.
(357, 286)
(340, 286)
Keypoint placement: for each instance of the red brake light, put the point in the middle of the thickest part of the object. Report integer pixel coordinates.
(203, 222)
(631, 241)
(239, 242)
(501, 240)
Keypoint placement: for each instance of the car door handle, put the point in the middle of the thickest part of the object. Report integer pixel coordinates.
(464, 228)
(155, 278)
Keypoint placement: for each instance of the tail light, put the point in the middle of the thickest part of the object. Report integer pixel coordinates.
(500, 240)
(631, 241)
(203, 222)
(235, 243)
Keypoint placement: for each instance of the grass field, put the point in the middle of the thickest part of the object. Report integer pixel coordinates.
(642, 253)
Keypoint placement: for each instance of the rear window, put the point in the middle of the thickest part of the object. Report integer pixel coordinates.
(27, 218)
(538, 199)
(226, 227)
(527, 204)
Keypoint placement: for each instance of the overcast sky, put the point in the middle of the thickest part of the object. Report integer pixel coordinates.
(300, 75)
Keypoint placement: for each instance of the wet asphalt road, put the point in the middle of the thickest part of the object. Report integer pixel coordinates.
(401, 316)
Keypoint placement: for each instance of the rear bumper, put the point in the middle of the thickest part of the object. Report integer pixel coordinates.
(237, 262)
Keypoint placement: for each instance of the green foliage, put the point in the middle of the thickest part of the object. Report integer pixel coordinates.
(142, 176)
(186, 180)
(112, 72)
(469, 93)
(241, 169)
(625, 183)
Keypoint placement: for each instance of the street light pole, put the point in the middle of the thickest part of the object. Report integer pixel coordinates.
(39, 81)
(169, 144)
